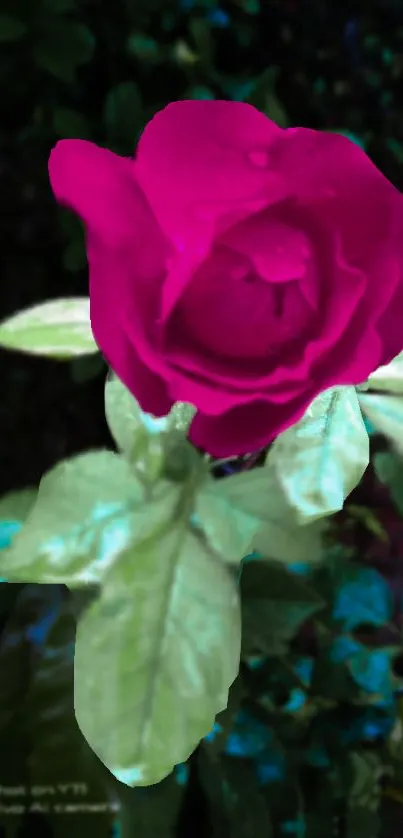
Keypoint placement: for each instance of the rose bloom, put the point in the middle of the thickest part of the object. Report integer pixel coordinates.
(237, 266)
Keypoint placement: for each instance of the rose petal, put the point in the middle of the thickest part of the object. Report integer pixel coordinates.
(195, 153)
(99, 186)
(336, 180)
(247, 428)
(107, 321)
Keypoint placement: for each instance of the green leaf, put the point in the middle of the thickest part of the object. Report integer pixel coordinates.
(89, 510)
(386, 415)
(388, 377)
(61, 46)
(203, 40)
(238, 806)
(389, 469)
(71, 124)
(258, 494)
(150, 812)
(146, 439)
(322, 458)
(275, 604)
(11, 29)
(15, 506)
(263, 96)
(143, 47)
(87, 368)
(123, 114)
(56, 329)
(229, 530)
(156, 655)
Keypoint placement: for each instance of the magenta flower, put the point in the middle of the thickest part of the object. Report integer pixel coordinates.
(237, 266)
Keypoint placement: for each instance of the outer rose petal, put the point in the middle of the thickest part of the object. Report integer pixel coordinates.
(246, 428)
(195, 157)
(109, 332)
(101, 188)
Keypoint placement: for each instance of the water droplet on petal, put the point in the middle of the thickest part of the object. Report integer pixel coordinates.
(259, 158)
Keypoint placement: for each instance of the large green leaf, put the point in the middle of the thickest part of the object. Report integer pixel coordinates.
(89, 510)
(322, 458)
(230, 512)
(388, 377)
(55, 329)
(386, 415)
(156, 655)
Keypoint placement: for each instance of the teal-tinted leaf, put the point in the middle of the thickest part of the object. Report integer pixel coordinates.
(322, 458)
(200, 91)
(61, 46)
(70, 124)
(386, 415)
(56, 329)
(389, 377)
(123, 114)
(88, 511)
(143, 47)
(389, 469)
(11, 29)
(258, 494)
(372, 670)
(275, 604)
(156, 655)
(362, 597)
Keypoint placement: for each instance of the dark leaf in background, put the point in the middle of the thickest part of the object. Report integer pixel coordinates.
(69, 124)
(239, 807)
(275, 604)
(123, 115)
(11, 29)
(62, 46)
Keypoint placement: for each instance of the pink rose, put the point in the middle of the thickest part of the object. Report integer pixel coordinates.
(237, 266)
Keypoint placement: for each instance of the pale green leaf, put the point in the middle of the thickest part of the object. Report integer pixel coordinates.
(88, 511)
(257, 494)
(156, 655)
(56, 329)
(228, 529)
(15, 506)
(146, 439)
(386, 415)
(388, 377)
(322, 458)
